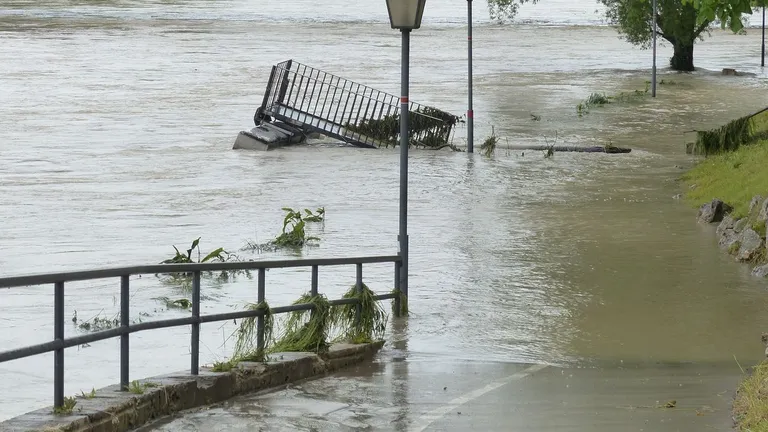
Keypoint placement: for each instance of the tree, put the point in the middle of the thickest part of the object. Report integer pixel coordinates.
(681, 22)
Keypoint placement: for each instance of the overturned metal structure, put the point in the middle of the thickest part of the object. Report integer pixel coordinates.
(300, 100)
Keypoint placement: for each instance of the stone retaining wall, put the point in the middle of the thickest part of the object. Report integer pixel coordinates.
(112, 410)
(743, 238)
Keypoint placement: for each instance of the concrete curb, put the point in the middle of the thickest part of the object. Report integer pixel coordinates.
(112, 410)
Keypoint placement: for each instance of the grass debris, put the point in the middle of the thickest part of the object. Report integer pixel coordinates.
(488, 148)
(306, 331)
(67, 407)
(246, 345)
(89, 395)
(750, 407)
(373, 319)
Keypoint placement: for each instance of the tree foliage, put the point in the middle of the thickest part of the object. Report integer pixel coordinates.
(681, 22)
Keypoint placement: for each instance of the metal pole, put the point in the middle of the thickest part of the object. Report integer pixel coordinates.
(58, 354)
(359, 290)
(653, 74)
(260, 297)
(195, 342)
(404, 140)
(470, 112)
(762, 58)
(125, 300)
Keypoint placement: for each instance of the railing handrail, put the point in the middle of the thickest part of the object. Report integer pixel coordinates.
(60, 342)
(413, 106)
(110, 272)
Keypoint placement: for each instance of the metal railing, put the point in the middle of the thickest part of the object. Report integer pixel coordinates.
(59, 342)
(323, 102)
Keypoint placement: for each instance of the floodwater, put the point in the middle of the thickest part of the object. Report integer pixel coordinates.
(116, 125)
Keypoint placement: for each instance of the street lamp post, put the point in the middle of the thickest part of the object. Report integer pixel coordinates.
(653, 72)
(470, 112)
(404, 15)
(762, 58)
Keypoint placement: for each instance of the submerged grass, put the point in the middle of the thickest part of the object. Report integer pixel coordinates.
(306, 331)
(373, 319)
(246, 346)
(750, 407)
(734, 177)
(488, 148)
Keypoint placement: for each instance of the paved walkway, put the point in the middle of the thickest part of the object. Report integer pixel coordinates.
(424, 393)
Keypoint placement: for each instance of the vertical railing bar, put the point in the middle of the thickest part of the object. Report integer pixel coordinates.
(306, 87)
(335, 90)
(195, 366)
(346, 102)
(354, 104)
(397, 288)
(301, 86)
(125, 306)
(359, 289)
(58, 335)
(260, 298)
(314, 280)
(291, 86)
(312, 95)
(327, 92)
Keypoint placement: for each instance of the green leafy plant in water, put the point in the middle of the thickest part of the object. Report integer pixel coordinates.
(176, 304)
(488, 148)
(317, 216)
(67, 407)
(180, 258)
(306, 331)
(373, 320)
(184, 280)
(294, 233)
(99, 322)
(246, 345)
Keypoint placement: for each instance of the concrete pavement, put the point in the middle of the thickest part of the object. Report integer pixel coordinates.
(426, 394)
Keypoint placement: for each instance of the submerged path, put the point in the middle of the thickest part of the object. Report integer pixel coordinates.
(427, 393)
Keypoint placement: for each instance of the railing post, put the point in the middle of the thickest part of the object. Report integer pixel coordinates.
(195, 366)
(58, 335)
(260, 296)
(124, 323)
(359, 289)
(397, 289)
(314, 280)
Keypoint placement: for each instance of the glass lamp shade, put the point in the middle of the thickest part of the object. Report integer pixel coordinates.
(405, 14)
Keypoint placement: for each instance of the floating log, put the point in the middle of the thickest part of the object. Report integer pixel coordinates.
(562, 148)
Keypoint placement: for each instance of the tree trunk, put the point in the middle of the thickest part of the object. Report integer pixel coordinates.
(682, 58)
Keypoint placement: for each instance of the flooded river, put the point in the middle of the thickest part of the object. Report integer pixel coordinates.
(116, 125)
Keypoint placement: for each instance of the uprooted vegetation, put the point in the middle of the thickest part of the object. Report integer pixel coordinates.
(294, 233)
(488, 148)
(731, 136)
(309, 330)
(429, 128)
(601, 99)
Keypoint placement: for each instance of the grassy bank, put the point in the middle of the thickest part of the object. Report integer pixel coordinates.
(734, 177)
(750, 408)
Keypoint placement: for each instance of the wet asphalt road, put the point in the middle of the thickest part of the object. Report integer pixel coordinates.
(426, 393)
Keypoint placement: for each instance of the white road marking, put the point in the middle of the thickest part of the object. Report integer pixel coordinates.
(427, 419)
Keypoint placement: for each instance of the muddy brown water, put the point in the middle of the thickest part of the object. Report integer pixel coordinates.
(116, 128)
